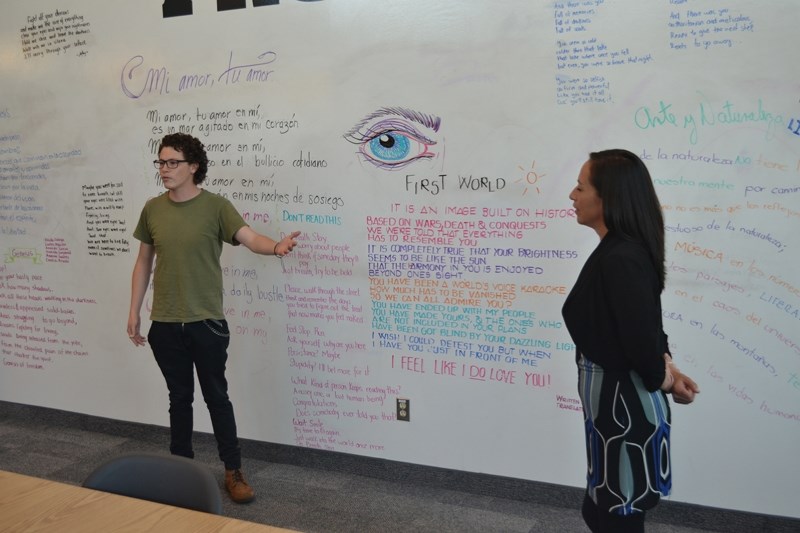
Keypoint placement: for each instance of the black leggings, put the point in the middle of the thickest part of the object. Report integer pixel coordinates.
(602, 522)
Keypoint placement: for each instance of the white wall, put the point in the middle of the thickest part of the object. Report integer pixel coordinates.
(522, 91)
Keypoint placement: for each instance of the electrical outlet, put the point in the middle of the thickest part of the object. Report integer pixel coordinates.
(404, 409)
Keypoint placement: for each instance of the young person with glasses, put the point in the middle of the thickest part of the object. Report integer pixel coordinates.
(185, 228)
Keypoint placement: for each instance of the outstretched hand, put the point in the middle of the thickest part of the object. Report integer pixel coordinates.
(286, 244)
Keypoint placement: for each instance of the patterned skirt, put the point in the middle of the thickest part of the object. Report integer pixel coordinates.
(627, 440)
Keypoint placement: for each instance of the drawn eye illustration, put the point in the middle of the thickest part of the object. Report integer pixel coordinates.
(392, 138)
(388, 146)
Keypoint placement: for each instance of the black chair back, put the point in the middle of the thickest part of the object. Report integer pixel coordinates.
(165, 479)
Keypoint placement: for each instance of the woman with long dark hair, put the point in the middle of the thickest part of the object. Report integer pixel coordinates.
(625, 371)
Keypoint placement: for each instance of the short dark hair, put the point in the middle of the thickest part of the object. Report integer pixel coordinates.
(630, 204)
(191, 148)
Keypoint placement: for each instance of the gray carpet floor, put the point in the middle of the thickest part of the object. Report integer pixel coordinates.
(326, 492)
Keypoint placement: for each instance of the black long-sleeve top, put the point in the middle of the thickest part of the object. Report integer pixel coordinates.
(613, 312)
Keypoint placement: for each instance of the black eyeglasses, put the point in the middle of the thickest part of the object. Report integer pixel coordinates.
(169, 163)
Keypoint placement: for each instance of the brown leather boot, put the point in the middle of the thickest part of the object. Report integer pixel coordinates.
(237, 487)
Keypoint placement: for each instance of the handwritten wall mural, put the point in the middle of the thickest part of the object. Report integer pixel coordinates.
(426, 152)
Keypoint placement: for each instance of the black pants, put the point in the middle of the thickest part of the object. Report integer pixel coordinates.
(179, 349)
(603, 522)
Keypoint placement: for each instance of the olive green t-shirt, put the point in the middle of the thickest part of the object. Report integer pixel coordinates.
(188, 237)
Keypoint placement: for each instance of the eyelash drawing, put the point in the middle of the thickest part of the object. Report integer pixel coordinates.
(390, 138)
